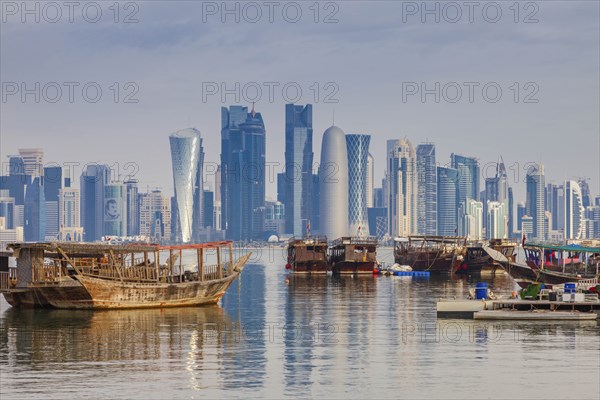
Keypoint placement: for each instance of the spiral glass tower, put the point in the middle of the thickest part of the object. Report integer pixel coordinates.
(187, 157)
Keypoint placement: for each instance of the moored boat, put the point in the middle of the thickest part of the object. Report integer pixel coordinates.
(436, 254)
(308, 255)
(95, 275)
(477, 260)
(553, 264)
(353, 255)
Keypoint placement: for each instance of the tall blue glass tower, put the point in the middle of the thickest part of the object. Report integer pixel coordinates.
(535, 205)
(92, 182)
(447, 181)
(35, 211)
(298, 168)
(242, 172)
(426, 189)
(358, 152)
(468, 178)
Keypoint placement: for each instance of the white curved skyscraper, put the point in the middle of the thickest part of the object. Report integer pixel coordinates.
(187, 157)
(573, 210)
(333, 184)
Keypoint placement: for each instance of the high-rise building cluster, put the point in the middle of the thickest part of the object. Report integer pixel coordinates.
(335, 196)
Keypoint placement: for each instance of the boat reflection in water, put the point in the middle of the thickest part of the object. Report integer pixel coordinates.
(49, 336)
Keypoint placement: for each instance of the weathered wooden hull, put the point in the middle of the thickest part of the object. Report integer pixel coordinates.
(557, 278)
(425, 261)
(25, 298)
(521, 272)
(95, 293)
(310, 267)
(353, 267)
(524, 274)
(85, 292)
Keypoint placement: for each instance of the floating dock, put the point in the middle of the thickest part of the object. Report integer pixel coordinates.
(519, 309)
(535, 315)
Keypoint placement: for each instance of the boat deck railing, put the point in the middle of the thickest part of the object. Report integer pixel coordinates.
(311, 240)
(355, 240)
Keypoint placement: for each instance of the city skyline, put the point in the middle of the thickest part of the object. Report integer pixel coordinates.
(243, 144)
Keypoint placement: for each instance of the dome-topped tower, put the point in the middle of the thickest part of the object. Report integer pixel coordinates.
(333, 181)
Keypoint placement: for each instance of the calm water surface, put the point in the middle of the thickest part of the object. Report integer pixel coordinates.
(276, 335)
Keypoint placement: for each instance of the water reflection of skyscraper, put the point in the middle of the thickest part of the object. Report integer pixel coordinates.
(328, 324)
(304, 295)
(244, 356)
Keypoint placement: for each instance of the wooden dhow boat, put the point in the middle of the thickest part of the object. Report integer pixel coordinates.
(353, 255)
(436, 254)
(308, 255)
(476, 260)
(103, 276)
(553, 264)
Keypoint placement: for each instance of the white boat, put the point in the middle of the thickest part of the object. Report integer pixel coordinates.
(400, 268)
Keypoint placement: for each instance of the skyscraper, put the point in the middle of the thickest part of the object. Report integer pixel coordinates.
(92, 182)
(573, 210)
(333, 184)
(218, 204)
(511, 213)
(243, 172)
(53, 182)
(497, 220)
(470, 220)
(370, 179)
(187, 158)
(35, 211)
(155, 215)
(231, 143)
(69, 214)
(33, 161)
(209, 208)
(15, 183)
(521, 212)
(132, 207)
(315, 222)
(447, 188)
(7, 209)
(298, 167)
(497, 191)
(586, 197)
(115, 210)
(535, 182)
(426, 189)
(468, 177)
(357, 147)
(402, 183)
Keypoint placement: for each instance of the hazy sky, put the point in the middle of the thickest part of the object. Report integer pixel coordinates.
(369, 61)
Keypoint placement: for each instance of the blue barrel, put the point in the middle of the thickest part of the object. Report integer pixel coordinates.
(481, 291)
(570, 288)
